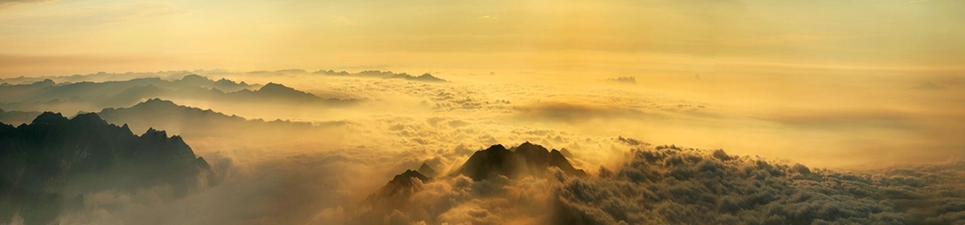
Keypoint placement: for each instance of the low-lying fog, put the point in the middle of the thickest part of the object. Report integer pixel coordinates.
(321, 160)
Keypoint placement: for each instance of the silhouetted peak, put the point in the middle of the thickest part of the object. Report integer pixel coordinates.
(384, 74)
(88, 119)
(151, 132)
(628, 80)
(194, 78)
(566, 153)
(427, 77)
(149, 87)
(532, 152)
(53, 152)
(427, 170)
(274, 87)
(401, 183)
(555, 153)
(45, 82)
(225, 83)
(202, 163)
(127, 128)
(49, 118)
(496, 147)
(409, 174)
(154, 103)
(525, 159)
(398, 189)
(526, 146)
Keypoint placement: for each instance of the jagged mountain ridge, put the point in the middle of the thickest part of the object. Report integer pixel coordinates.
(17, 117)
(426, 77)
(55, 158)
(202, 122)
(427, 170)
(90, 96)
(48, 90)
(525, 159)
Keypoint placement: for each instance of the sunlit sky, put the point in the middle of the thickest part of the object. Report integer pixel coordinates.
(86, 36)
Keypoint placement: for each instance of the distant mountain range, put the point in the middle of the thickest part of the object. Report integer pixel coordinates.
(47, 166)
(48, 90)
(190, 121)
(17, 117)
(89, 96)
(183, 120)
(383, 74)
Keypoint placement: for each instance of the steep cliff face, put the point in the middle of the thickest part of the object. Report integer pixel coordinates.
(55, 158)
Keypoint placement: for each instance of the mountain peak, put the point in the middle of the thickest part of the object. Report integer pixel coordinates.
(53, 152)
(49, 118)
(527, 159)
(398, 188)
(195, 78)
(271, 86)
(156, 102)
(45, 82)
(427, 170)
(88, 119)
(276, 90)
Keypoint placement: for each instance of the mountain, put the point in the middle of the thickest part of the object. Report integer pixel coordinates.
(275, 93)
(194, 122)
(104, 76)
(47, 90)
(929, 86)
(393, 195)
(54, 159)
(427, 170)
(398, 188)
(625, 80)
(525, 160)
(383, 74)
(89, 96)
(17, 117)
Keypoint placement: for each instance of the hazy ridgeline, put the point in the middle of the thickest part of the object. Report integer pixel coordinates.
(294, 147)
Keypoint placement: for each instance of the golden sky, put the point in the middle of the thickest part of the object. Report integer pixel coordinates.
(850, 85)
(85, 36)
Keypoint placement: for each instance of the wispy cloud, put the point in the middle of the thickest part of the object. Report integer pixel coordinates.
(488, 17)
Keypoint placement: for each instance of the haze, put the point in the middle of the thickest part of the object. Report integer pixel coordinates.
(873, 88)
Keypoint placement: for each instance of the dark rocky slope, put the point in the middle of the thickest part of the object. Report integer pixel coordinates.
(47, 166)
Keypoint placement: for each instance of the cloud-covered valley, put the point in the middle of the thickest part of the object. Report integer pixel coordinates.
(295, 147)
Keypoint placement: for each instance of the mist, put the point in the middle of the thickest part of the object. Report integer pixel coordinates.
(306, 162)
(482, 112)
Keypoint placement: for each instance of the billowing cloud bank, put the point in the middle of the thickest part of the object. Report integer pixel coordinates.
(670, 185)
(285, 163)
